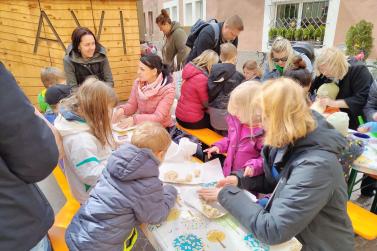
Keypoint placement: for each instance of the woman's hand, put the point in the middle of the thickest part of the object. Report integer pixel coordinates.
(209, 194)
(249, 171)
(125, 123)
(117, 115)
(228, 181)
(368, 127)
(212, 150)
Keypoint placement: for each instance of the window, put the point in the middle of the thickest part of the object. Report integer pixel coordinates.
(172, 9)
(150, 22)
(193, 10)
(145, 22)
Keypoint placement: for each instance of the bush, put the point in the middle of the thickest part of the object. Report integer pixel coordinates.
(298, 34)
(290, 34)
(318, 34)
(311, 31)
(359, 38)
(281, 32)
(306, 34)
(272, 33)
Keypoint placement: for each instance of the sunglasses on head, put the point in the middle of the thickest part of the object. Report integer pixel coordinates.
(283, 59)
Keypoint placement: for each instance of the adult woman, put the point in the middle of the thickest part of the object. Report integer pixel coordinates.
(353, 79)
(192, 104)
(280, 59)
(152, 95)
(86, 57)
(301, 170)
(174, 42)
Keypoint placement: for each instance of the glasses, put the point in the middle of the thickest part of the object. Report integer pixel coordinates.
(283, 59)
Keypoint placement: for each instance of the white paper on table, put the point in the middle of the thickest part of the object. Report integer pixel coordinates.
(181, 152)
(190, 196)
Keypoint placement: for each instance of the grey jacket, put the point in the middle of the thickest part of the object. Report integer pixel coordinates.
(310, 196)
(128, 193)
(78, 69)
(371, 106)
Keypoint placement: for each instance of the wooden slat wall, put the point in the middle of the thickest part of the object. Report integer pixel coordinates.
(18, 29)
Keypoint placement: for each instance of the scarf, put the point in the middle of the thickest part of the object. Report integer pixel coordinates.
(146, 90)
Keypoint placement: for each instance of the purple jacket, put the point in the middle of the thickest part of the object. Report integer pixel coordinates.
(241, 147)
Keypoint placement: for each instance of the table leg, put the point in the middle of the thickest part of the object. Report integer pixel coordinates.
(351, 181)
(373, 208)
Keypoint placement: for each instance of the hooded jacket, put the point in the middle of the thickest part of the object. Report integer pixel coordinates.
(28, 154)
(85, 157)
(194, 94)
(175, 45)
(77, 69)
(128, 193)
(310, 195)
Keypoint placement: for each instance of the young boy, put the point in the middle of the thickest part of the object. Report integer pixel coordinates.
(222, 80)
(128, 193)
(53, 96)
(49, 76)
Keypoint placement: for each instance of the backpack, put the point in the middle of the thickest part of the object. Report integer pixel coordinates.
(198, 27)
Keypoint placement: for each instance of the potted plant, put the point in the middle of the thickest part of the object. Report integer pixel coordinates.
(290, 34)
(306, 34)
(311, 31)
(359, 38)
(272, 33)
(281, 32)
(298, 34)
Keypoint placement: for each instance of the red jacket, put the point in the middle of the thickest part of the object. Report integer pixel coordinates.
(194, 94)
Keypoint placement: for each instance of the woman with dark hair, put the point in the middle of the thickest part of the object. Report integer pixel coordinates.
(152, 95)
(174, 41)
(86, 57)
(299, 73)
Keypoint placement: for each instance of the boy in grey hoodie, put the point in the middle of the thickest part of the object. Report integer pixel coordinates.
(128, 193)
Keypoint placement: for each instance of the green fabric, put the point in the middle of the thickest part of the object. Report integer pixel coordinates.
(43, 106)
(87, 187)
(91, 159)
(279, 68)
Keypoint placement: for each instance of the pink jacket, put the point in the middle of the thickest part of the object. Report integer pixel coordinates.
(155, 109)
(241, 147)
(194, 94)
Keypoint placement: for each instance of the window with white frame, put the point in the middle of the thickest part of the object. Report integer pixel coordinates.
(193, 10)
(172, 8)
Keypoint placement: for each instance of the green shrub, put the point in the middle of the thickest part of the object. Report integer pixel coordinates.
(306, 34)
(298, 34)
(290, 34)
(359, 37)
(272, 33)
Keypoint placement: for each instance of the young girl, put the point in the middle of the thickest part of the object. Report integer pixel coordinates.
(251, 70)
(152, 95)
(244, 143)
(193, 102)
(84, 124)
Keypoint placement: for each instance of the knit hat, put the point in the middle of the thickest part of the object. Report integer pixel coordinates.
(56, 93)
(329, 90)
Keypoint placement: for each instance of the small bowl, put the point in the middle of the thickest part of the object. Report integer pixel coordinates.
(362, 136)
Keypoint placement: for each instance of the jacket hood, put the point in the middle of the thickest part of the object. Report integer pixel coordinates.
(222, 72)
(97, 57)
(68, 123)
(174, 26)
(130, 163)
(324, 137)
(191, 70)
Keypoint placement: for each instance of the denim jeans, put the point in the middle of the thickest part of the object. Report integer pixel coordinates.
(43, 245)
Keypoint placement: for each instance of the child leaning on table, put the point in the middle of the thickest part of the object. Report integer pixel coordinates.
(128, 193)
(244, 142)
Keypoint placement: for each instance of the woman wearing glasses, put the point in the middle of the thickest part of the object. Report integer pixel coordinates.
(280, 59)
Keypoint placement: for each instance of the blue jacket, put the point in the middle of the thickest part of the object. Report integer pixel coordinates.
(128, 193)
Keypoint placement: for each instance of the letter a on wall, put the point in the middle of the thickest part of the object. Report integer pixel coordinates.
(38, 36)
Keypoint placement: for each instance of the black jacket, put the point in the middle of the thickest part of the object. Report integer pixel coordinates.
(353, 88)
(206, 40)
(28, 154)
(371, 106)
(310, 197)
(221, 82)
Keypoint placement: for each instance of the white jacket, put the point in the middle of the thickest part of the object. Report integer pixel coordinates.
(85, 157)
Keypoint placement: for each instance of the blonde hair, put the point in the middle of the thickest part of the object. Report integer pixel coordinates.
(151, 135)
(206, 60)
(227, 52)
(91, 100)
(285, 113)
(234, 22)
(334, 60)
(252, 65)
(243, 102)
(51, 76)
(279, 45)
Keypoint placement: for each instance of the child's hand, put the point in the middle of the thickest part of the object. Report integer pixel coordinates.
(209, 194)
(125, 123)
(228, 181)
(368, 127)
(211, 150)
(249, 171)
(117, 115)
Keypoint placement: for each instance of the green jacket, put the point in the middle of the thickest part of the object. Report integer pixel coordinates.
(175, 45)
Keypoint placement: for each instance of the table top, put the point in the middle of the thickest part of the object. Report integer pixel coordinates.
(367, 162)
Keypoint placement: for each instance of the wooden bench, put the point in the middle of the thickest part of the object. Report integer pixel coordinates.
(364, 222)
(64, 217)
(207, 136)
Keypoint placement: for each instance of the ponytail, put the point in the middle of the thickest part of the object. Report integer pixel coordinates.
(163, 18)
